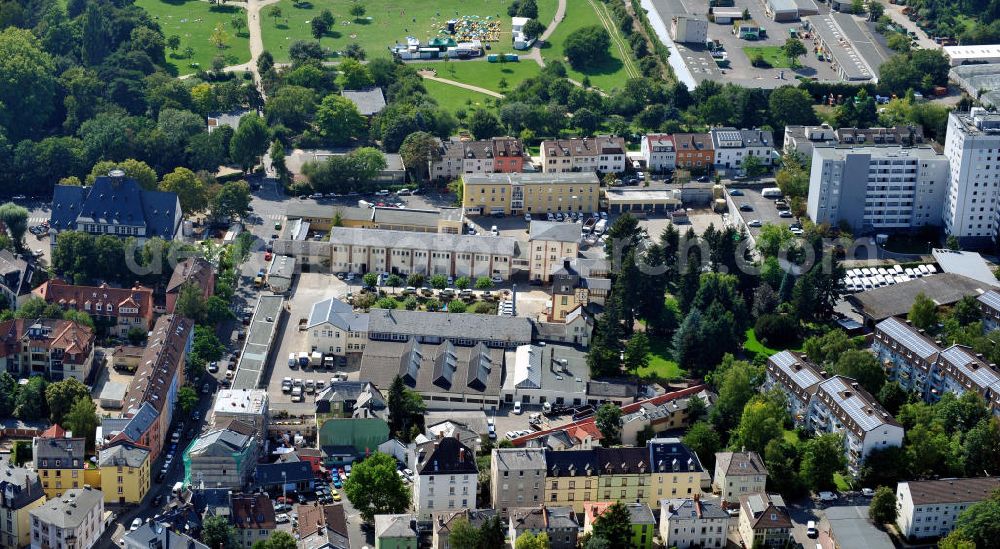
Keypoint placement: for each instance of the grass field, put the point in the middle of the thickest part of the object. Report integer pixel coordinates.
(843, 484)
(454, 98)
(773, 56)
(384, 23)
(486, 75)
(660, 363)
(607, 75)
(194, 21)
(756, 347)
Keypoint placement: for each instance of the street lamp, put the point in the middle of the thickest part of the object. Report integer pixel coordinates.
(284, 476)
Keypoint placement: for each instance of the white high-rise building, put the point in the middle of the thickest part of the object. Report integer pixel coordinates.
(973, 149)
(877, 187)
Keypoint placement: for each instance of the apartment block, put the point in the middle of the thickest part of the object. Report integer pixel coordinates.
(738, 474)
(20, 492)
(921, 365)
(603, 153)
(764, 521)
(60, 461)
(873, 188)
(694, 151)
(123, 308)
(517, 478)
(659, 152)
(534, 193)
(691, 522)
(496, 155)
(57, 349)
(550, 244)
(928, 508)
(732, 147)
(972, 147)
(833, 405)
(802, 139)
(989, 306)
(76, 519)
(125, 474)
(445, 477)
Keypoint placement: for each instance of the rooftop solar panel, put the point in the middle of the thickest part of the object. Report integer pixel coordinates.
(804, 377)
(867, 414)
(991, 299)
(970, 365)
(908, 337)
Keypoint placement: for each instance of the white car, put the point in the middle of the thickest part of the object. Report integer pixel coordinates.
(517, 407)
(136, 523)
(827, 496)
(811, 530)
(281, 518)
(527, 217)
(754, 223)
(867, 492)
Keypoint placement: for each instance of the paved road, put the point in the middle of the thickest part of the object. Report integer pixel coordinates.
(895, 11)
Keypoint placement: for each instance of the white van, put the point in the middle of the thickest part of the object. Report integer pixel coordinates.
(771, 192)
(517, 407)
(292, 361)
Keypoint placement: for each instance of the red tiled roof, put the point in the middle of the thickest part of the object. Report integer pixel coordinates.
(56, 431)
(77, 297)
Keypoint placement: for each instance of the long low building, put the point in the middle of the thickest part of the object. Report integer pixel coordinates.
(322, 218)
(502, 332)
(404, 253)
(943, 289)
(856, 56)
(637, 199)
(928, 509)
(981, 81)
(259, 343)
(534, 193)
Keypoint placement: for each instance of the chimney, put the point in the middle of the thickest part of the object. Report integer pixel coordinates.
(461, 455)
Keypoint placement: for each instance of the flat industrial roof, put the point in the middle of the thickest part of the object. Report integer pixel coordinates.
(253, 359)
(629, 196)
(852, 48)
(974, 52)
(977, 78)
(850, 527)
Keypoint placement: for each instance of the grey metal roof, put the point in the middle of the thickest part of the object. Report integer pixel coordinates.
(909, 337)
(450, 326)
(406, 216)
(145, 416)
(895, 300)
(155, 536)
(969, 264)
(542, 518)
(123, 454)
(271, 473)
(258, 342)
(687, 508)
(851, 527)
(394, 526)
(782, 6)
(991, 299)
(369, 102)
(19, 486)
(531, 178)
(470, 370)
(282, 266)
(221, 442)
(437, 242)
(324, 211)
(70, 509)
(640, 513)
(853, 49)
(740, 463)
(519, 459)
(554, 231)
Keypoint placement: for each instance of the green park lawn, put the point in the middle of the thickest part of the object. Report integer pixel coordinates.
(773, 55)
(194, 21)
(454, 98)
(661, 365)
(486, 75)
(384, 23)
(752, 345)
(606, 75)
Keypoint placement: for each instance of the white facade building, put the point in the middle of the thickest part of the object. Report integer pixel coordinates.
(877, 188)
(691, 522)
(602, 153)
(972, 147)
(74, 520)
(334, 327)
(445, 477)
(659, 152)
(732, 147)
(929, 508)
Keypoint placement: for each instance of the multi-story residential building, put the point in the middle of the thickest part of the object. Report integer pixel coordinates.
(571, 288)
(663, 468)
(500, 332)
(444, 522)
(351, 399)
(251, 406)
(404, 253)
(640, 517)
(928, 508)
(694, 151)
(738, 474)
(445, 477)
(60, 461)
(396, 532)
(550, 244)
(603, 153)
(970, 207)
(156, 535)
(57, 349)
(691, 522)
(920, 365)
(334, 327)
(275, 478)
(658, 151)
(559, 524)
(15, 277)
(989, 306)
(221, 458)
(122, 308)
(834, 405)
(252, 516)
(74, 520)
(877, 187)
(802, 139)
(193, 270)
(158, 379)
(732, 147)
(124, 472)
(20, 493)
(764, 521)
(496, 155)
(517, 478)
(323, 527)
(115, 205)
(534, 193)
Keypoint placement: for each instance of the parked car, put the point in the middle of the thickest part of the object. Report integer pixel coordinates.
(827, 496)
(136, 523)
(517, 407)
(811, 530)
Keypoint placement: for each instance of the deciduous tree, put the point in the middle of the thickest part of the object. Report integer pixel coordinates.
(374, 488)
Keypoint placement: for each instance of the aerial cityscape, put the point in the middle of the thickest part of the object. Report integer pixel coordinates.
(485, 274)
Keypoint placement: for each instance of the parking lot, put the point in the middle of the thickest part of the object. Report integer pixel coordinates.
(763, 210)
(702, 65)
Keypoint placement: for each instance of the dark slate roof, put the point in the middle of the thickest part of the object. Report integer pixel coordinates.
(664, 451)
(369, 102)
(155, 534)
(125, 203)
(18, 486)
(295, 471)
(64, 449)
(445, 456)
(571, 463)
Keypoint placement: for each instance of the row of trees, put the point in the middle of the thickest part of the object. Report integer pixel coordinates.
(66, 402)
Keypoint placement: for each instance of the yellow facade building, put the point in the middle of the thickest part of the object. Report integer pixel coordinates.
(20, 493)
(663, 468)
(533, 193)
(124, 473)
(61, 461)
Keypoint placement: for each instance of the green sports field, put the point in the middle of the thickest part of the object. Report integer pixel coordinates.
(194, 22)
(384, 23)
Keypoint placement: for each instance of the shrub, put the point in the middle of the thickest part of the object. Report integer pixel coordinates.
(776, 329)
(386, 303)
(456, 306)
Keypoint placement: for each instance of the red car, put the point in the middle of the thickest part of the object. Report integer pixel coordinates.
(342, 474)
(267, 256)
